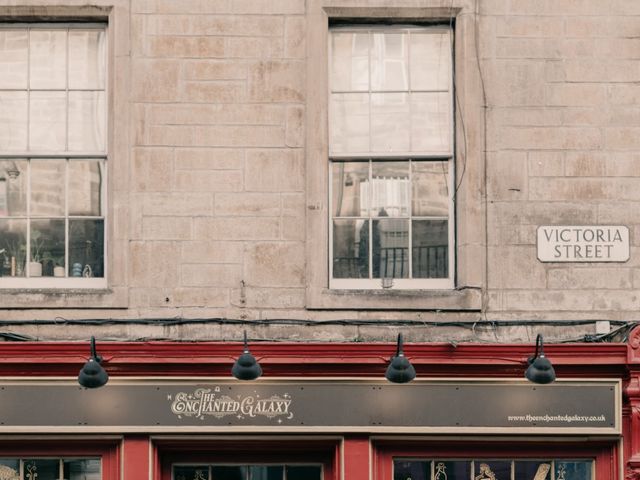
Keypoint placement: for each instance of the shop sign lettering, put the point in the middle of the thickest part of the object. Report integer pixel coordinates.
(204, 402)
(583, 243)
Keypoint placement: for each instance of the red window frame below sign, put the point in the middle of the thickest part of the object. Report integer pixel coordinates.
(249, 451)
(107, 450)
(605, 454)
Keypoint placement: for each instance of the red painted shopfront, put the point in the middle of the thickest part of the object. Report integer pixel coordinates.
(74, 433)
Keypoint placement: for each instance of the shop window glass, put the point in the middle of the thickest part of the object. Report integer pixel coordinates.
(247, 472)
(50, 469)
(492, 469)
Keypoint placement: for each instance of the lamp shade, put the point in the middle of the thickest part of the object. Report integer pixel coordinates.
(540, 369)
(400, 369)
(246, 366)
(92, 374)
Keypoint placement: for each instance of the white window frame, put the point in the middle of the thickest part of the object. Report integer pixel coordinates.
(444, 283)
(67, 282)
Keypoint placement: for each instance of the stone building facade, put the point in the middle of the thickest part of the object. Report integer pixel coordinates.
(217, 206)
(321, 175)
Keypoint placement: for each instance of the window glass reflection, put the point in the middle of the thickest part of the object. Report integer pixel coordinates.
(411, 470)
(87, 59)
(86, 122)
(390, 248)
(191, 473)
(82, 469)
(389, 62)
(451, 470)
(491, 470)
(48, 60)
(86, 248)
(390, 189)
(48, 187)
(229, 473)
(85, 187)
(42, 469)
(430, 189)
(13, 121)
(13, 247)
(534, 470)
(310, 472)
(13, 59)
(429, 240)
(500, 469)
(350, 192)
(573, 470)
(10, 468)
(349, 127)
(47, 121)
(351, 248)
(350, 61)
(431, 61)
(13, 188)
(390, 122)
(266, 472)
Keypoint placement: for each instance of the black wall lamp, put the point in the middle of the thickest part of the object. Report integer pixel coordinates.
(540, 369)
(246, 366)
(92, 374)
(400, 369)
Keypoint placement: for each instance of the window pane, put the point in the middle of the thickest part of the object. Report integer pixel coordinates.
(86, 121)
(389, 62)
(430, 189)
(411, 470)
(86, 59)
(86, 248)
(13, 121)
(85, 186)
(573, 470)
(271, 472)
(431, 122)
(349, 128)
(47, 247)
(304, 473)
(390, 196)
(13, 188)
(84, 469)
(191, 473)
(10, 468)
(48, 60)
(390, 122)
(42, 469)
(47, 187)
(350, 189)
(452, 470)
(391, 248)
(430, 240)
(349, 61)
(350, 249)
(13, 59)
(431, 61)
(13, 247)
(535, 470)
(229, 473)
(491, 470)
(47, 121)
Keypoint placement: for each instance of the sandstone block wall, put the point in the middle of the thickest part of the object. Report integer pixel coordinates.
(209, 176)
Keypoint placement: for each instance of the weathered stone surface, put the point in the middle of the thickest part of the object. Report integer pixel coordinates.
(275, 264)
(217, 168)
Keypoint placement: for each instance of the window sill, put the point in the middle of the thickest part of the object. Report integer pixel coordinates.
(466, 299)
(37, 298)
